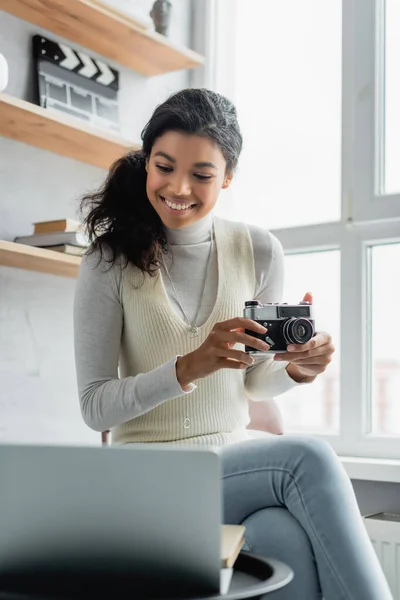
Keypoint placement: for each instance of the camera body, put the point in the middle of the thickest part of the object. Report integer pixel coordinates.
(286, 324)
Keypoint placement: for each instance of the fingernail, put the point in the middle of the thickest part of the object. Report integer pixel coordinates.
(290, 348)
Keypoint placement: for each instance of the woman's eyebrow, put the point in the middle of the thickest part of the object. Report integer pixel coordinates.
(198, 165)
(165, 155)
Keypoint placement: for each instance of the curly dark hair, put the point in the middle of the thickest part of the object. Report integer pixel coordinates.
(120, 217)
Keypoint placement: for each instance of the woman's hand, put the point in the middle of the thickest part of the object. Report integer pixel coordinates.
(217, 351)
(306, 361)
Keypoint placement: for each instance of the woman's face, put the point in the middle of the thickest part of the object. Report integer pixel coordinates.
(185, 174)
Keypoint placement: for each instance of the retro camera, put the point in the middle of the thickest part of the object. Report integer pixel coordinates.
(286, 324)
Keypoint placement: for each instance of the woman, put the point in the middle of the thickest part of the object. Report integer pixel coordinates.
(160, 296)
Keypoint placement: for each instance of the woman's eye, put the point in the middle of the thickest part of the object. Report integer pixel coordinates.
(202, 177)
(164, 169)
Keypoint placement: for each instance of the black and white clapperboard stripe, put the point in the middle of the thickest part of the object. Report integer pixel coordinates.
(75, 83)
(74, 60)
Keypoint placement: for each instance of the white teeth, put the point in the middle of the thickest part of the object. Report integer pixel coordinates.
(177, 206)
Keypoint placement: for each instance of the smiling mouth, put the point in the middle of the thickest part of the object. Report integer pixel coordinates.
(178, 207)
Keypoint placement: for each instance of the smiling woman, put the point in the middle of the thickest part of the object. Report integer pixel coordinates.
(160, 344)
(191, 146)
(180, 187)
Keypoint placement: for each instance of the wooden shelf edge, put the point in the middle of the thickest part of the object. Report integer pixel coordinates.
(31, 258)
(51, 130)
(51, 114)
(107, 33)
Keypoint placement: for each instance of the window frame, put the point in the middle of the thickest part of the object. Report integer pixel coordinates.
(365, 95)
(368, 216)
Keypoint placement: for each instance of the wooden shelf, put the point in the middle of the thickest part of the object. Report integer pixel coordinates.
(30, 258)
(106, 32)
(52, 130)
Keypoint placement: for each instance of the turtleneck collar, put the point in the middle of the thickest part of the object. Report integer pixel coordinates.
(192, 234)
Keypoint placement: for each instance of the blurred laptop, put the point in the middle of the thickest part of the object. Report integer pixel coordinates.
(76, 518)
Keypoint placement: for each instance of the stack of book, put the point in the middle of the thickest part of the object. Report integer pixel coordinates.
(64, 235)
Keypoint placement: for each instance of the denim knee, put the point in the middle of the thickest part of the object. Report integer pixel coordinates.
(316, 454)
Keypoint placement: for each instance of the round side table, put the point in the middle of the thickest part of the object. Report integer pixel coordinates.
(253, 577)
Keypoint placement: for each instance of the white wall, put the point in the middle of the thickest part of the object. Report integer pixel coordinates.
(38, 395)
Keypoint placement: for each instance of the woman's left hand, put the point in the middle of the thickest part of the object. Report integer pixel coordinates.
(306, 361)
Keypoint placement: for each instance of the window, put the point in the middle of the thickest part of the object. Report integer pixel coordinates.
(292, 148)
(317, 87)
(392, 96)
(385, 339)
(316, 407)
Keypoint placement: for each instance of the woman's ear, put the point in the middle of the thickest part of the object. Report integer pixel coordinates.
(147, 165)
(227, 180)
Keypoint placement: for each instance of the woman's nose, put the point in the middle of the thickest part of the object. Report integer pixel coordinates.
(180, 186)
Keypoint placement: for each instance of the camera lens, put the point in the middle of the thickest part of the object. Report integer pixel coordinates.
(298, 331)
(301, 331)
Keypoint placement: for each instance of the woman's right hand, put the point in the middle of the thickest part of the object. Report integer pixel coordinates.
(217, 351)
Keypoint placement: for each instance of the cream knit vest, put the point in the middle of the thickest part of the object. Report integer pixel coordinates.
(153, 334)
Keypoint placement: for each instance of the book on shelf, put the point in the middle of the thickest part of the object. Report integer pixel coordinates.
(44, 240)
(68, 249)
(67, 225)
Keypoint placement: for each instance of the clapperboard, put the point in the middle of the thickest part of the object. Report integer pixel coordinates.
(75, 83)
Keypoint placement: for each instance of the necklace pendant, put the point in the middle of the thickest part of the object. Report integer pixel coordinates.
(193, 331)
(186, 423)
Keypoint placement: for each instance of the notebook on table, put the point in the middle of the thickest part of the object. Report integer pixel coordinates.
(144, 516)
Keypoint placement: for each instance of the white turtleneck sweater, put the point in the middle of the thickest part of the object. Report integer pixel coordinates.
(106, 400)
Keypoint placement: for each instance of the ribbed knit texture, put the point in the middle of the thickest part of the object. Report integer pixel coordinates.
(218, 407)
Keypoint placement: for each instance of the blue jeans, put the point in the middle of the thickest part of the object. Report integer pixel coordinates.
(298, 506)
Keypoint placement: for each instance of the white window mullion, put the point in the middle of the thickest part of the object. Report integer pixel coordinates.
(225, 47)
(364, 108)
(352, 340)
(310, 237)
(348, 104)
(351, 398)
(379, 97)
(204, 36)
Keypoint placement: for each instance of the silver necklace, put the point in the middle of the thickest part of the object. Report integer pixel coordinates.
(193, 330)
